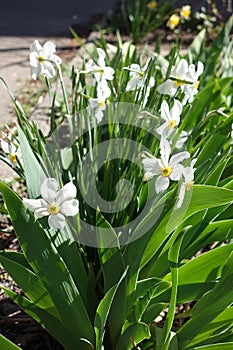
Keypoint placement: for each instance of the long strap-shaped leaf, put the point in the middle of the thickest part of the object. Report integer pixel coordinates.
(55, 327)
(208, 307)
(103, 311)
(28, 282)
(49, 266)
(7, 344)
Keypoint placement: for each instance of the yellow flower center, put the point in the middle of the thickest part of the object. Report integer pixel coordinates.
(189, 185)
(178, 83)
(172, 124)
(41, 58)
(185, 11)
(101, 103)
(166, 171)
(173, 21)
(13, 158)
(196, 85)
(152, 5)
(53, 209)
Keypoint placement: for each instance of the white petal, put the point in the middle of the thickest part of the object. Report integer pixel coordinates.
(133, 83)
(99, 113)
(49, 48)
(48, 70)
(101, 60)
(39, 213)
(33, 204)
(70, 208)
(165, 151)
(152, 165)
(168, 87)
(200, 68)
(5, 146)
(177, 171)
(180, 196)
(163, 130)
(57, 222)
(179, 157)
(108, 73)
(135, 68)
(35, 46)
(165, 113)
(182, 68)
(161, 184)
(66, 193)
(56, 59)
(35, 71)
(49, 189)
(176, 111)
(33, 58)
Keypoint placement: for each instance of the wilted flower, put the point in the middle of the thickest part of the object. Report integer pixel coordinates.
(43, 59)
(167, 168)
(171, 117)
(185, 12)
(173, 21)
(100, 70)
(55, 203)
(137, 75)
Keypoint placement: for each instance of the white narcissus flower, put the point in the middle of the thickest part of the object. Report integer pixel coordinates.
(137, 76)
(43, 59)
(99, 103)
(171, 117)
(100, 70)
(178, 73)
(167, 168)
(185, 12)
(187, 183)
(55, 203)
(11, 151)
(173, 21)
(190, 90)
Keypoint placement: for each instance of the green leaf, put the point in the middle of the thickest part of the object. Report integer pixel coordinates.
(206, 267)
(103, 311)
(173, 258)
(33, 171)
(55, 327)
(202, 197)
(7, 344)
(29, 283)
(208, 307)
(196, 47)
(49, 266)
(132, 335)
(221, 346)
